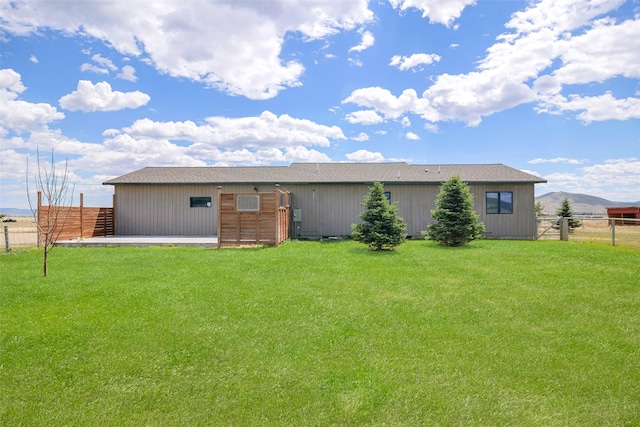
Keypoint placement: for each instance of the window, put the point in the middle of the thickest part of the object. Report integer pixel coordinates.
(499, 202)
(387, 194)
(200, 202)
(248, 202)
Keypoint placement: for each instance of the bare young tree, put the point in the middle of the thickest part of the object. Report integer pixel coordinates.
(54, 200)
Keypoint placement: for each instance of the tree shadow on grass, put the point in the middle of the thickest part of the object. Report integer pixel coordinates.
(468, 247)
(364, 250)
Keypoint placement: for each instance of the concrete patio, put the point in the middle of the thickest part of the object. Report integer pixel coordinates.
(141, 241)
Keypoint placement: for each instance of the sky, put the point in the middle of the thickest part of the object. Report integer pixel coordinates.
(550, 87)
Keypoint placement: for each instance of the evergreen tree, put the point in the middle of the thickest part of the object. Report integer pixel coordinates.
(383, 228)
(538, 208)
(457, 223)
(565, 211)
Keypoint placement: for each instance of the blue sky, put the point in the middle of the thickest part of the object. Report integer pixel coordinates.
(549, 87)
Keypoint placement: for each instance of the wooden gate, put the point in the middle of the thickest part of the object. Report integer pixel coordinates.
(253, 218)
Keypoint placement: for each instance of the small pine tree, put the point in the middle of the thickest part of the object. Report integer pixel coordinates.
(538, 208)
(565, 211)
(457, 223)
(383, 228)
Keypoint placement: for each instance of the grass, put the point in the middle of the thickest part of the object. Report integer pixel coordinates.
(599, 231)
(497, 333)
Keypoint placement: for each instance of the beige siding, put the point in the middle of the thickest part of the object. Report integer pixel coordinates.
(415, 203)
(327, 209)
(330, 209)
(164, 210)
(519, 225)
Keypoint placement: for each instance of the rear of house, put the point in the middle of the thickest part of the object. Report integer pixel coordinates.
(325, 198)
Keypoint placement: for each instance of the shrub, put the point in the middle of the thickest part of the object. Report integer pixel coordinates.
(457, 223)
(565, 211)
(383, 228)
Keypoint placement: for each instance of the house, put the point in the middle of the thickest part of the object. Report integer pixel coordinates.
(325, 198)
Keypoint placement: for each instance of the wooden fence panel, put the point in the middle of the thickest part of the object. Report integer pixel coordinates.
(267, 226)
(76, 222)
(284, 223)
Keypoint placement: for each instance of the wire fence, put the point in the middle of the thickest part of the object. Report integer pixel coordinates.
(613, 231)
(619, 232)
(23, 233)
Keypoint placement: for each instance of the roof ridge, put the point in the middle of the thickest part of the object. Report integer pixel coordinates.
(333, 172)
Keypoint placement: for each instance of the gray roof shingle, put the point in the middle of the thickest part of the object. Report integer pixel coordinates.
(327, 173)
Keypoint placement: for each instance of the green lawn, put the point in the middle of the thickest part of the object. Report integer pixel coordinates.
(497, 333)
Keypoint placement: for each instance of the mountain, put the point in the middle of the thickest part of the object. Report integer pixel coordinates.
(580, 203)
(15, 212)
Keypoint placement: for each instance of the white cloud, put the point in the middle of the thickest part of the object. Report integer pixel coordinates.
(364, 117)
(441, 12)
(593, 108)
(263, 139)
(263, 157)
(412, 136)
(18, 115)
(469, 97)
(102, 65)
(558, 16)
(432, 127)
(13, 165)
(33, 59)
(93, 68)
(11, 82)
(367, 41)
(405, 122)
(99, 97)
(415, 60)
(462, 97)
(266, 130)
(304, 154)
(615, 180)
(178, 42)
(361, 137)
(104, 62)
(383, 101)
(124, 153)
(365, 156)
(558, 160)
(539, 50)
(128, 73)
(604, 51)
(110, 132)
(356, 62)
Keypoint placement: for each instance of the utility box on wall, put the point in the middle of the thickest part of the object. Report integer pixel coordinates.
(297, 215)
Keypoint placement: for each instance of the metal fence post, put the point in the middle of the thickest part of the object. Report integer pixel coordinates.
(6, 239)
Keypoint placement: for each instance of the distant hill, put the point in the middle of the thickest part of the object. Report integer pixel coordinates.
(580, 203)
(15, 212)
